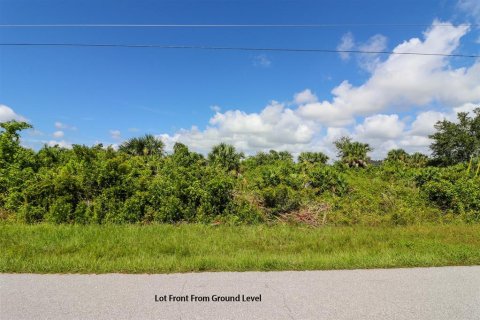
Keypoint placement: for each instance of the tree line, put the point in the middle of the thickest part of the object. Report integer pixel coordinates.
(141, 183)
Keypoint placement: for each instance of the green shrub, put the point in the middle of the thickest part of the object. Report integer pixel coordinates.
(324, 179)
(133, 209)
(280, 199)
(31, 214)
(60, 211)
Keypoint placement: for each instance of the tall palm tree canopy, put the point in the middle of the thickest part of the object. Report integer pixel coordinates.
(353, 153)
(147, 145)
(225, 156)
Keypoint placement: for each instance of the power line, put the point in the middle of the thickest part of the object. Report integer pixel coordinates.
(321, 25)
(195, 47)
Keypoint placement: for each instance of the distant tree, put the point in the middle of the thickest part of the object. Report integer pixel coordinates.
(12, 128)
(313, 157)
(397, 155)
(353, 153)
(225, 156)
(10, 140)
(147, 145)
(283, 155)
(184, 157)
(418, 160)
(455, 142)
(263, 158)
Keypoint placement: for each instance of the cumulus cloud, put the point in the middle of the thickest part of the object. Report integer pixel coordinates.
(405, 81)
(274, 127)
(424, 89)
(424, 123)
(306, 96)
(380, 126)
(7, 114)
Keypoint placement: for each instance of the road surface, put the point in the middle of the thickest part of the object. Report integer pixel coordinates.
(420, 293)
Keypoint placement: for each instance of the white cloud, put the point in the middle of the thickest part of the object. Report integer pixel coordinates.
(423, 124)
(380, 126)
(346, 43)
(367, 61)
(335, 133)
(420, 142)
(466, 107)
(405, 81)
(7, 114)
(262, 60)
(370, 61)
(327, 113)
(58, 134)
(306, 96)
(275, 127)
(116, 134)
(62, 126)
(61, 144)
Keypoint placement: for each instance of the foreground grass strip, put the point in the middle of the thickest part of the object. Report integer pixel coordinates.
(191, 248)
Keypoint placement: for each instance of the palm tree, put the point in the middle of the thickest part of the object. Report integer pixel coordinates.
(418, 160)
(353, 154)
(147, 145)
(313, 157)
(398, 155)
(225, 156)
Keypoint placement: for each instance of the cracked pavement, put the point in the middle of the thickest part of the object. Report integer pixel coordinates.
(418, 293)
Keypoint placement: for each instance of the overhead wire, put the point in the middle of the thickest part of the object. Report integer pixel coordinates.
(228, 48)
(318, 25)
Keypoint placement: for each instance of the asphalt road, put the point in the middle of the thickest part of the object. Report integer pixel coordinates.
(421, 293)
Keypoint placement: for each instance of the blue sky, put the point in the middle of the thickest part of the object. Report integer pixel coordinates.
(254, 100)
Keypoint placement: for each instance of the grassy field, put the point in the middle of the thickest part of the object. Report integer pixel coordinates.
(191, 248)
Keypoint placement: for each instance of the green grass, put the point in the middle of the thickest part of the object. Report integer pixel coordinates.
(191, 248)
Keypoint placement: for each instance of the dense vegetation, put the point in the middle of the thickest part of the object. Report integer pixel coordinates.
(141, 183)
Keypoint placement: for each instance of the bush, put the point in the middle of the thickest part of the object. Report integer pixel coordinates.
(325, 179)
(451, 189)
(280, 199)
(30, 214)
(60, 211)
